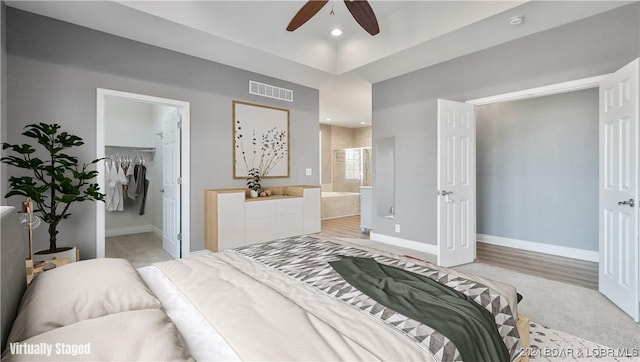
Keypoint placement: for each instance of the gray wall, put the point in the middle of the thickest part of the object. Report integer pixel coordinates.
(13, 280)
(3, 91)
(537, 169)
(54, 69)
(405, 107)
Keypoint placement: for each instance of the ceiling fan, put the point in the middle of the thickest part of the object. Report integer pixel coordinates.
(359, 9)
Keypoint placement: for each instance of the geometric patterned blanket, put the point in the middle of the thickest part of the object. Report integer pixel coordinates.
(306, 258)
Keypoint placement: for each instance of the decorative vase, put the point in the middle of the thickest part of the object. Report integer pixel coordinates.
(253, 194)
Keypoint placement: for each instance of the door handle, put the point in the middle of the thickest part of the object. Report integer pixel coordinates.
(447, 195)
(631, 203)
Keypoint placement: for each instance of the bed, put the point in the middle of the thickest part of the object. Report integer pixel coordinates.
(279, 300)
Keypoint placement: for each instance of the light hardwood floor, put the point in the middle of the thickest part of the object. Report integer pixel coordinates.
(567, 270)
(571, 271)
(344, 227)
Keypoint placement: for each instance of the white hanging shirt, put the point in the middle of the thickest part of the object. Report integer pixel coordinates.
(111, 198)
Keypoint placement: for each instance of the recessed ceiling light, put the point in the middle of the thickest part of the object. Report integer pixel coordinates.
(328, 119)
(516, 20)
(336, 32)
(363, 122)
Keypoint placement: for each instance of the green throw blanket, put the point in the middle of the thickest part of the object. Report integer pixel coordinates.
(466, 323)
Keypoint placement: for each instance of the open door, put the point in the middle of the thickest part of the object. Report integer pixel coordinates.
(456, 183)
(618, 215)
(171, 182)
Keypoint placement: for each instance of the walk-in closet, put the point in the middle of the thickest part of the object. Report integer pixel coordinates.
(133, 167)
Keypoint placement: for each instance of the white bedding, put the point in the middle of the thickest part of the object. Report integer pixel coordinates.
(230, 307)
(278, 300)
(94, 310)
(203, 341)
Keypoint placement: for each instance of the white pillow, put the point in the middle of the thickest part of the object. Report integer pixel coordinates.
(145, 335)
(80, 291)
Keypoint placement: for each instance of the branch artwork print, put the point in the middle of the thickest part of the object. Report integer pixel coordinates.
(261, 141)
(271, 149)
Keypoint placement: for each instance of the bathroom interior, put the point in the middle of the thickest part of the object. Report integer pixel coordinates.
(345, 159)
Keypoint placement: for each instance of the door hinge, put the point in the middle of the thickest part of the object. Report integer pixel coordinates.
(180, 236)
(180, 123)
(179, 180)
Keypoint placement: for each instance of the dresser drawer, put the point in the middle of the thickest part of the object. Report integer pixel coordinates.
(289, 206)
(260, 209)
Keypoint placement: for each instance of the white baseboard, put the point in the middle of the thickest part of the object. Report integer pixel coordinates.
(405, 243)
(128, 230)
(563, 251)
(156, 230)
(339, 216)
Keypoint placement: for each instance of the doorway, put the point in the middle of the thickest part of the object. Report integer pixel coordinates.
(139, 132)
(510, 145)
(617, 254)
(345, 176)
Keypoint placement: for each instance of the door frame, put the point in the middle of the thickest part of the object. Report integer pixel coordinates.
(547, 90)
(185, 135)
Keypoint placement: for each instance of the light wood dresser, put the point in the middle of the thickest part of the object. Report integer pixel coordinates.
(232, 219)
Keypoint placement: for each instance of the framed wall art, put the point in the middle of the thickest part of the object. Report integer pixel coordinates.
(260, 140)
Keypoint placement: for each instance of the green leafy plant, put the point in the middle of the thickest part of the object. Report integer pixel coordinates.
(253, 181)
(58, 181)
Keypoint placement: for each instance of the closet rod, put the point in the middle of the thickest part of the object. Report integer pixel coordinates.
(137, 149)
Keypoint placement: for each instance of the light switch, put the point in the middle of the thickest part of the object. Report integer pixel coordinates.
(308, 172)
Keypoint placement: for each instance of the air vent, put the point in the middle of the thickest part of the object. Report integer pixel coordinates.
(270, 91)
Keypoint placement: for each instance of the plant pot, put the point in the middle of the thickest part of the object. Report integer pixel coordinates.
(63, 252)
(253, 194)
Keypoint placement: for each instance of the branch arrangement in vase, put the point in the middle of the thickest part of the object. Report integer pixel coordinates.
(271, 149)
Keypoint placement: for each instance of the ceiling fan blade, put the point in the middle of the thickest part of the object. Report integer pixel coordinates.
(305, 13)
(363, 13)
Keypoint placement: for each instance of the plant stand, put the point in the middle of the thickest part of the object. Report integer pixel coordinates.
(34, 270)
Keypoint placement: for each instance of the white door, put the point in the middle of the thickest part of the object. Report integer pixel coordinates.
(456, 183)
(618, 274)
(171, 216)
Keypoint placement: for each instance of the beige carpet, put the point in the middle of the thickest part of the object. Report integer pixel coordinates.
(140, 249)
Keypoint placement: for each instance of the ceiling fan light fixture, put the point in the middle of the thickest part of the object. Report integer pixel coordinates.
(360, 10)
(336, 32)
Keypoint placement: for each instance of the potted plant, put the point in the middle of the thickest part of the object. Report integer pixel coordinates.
(55, 182)
(253, 182)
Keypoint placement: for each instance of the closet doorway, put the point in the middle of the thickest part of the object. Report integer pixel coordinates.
(144, 141)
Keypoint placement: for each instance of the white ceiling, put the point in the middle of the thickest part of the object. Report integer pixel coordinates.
(251, 35)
